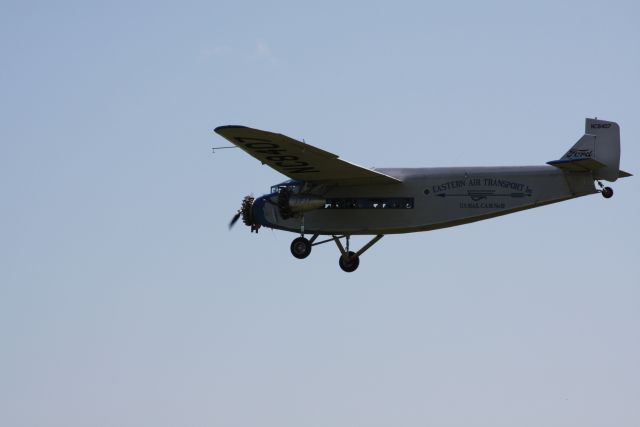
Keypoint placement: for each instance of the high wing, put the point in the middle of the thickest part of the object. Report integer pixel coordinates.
(298, 160)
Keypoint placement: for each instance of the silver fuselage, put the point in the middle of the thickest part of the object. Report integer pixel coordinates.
(439, 198)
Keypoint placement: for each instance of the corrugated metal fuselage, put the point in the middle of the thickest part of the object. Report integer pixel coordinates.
(439, 198)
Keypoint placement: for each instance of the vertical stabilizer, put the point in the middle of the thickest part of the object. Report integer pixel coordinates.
(598, 150)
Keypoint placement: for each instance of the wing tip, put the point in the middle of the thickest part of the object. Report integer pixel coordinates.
(221, 128)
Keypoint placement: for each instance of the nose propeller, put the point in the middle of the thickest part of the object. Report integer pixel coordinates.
(235, 219)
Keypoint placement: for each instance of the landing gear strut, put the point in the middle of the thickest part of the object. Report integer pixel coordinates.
(607, 192)
(349, 261)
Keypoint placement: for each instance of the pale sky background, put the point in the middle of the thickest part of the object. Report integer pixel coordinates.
(125, 301)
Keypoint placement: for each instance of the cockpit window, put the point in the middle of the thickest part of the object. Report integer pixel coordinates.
(290, 184)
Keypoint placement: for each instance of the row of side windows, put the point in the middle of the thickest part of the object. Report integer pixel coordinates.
(369, 203)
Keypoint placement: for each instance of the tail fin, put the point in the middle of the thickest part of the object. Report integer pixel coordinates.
(598, 151)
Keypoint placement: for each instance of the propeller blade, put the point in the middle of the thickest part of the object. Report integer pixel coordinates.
(235, 219)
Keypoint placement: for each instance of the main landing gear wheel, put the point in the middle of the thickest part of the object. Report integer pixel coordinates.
(350, 262)
(607, 192)
(300, 247)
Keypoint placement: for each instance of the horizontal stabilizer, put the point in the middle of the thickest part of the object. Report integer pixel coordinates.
(577, 165)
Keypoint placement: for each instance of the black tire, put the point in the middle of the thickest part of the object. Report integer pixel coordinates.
(350, 263)
(300, 247)
(607, 192)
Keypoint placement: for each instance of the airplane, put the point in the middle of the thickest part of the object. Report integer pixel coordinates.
(327, 196)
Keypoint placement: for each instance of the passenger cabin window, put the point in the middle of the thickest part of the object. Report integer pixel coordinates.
(369, 203)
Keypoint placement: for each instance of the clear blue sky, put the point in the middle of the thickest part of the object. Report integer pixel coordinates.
(125, 301)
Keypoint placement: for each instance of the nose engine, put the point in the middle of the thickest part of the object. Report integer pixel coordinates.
(246, 213)
(288, 203)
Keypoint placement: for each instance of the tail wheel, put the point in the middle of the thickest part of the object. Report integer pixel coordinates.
(350, 262)
(607, 192)
(300, 247)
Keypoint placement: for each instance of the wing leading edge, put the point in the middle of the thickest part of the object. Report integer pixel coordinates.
(298, 160)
